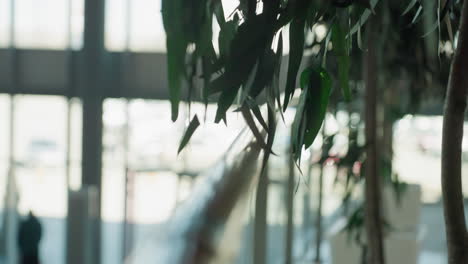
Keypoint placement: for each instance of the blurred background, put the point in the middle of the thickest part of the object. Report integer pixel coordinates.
(84, 102)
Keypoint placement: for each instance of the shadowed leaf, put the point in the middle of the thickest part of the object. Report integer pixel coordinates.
(253, 127)
(296, 46)
(188, 134)
(319, 83)
(296, 141)
(416, 16)
(245, 47)
(271, 137)
(409, 7)
(265, 72)
(340, 48)
(257, 113)
(176, 43)
(276, 77)
(363, 18)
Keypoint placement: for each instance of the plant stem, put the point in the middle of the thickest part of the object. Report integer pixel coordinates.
(373, 219)
(452, 136)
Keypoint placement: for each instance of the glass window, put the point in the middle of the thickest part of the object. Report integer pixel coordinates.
(276, 219)
(4, 149)
(113, 179)
(5, 17)
(115, 31)
(149, 154)
(140, 23)
(153, 135)
(139, 20)
(417, 153)
(147, 31)
(76, 115)
(40, 145)
(47, 23)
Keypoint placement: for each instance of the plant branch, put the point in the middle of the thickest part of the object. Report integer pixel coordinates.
(452, 136)
(373, 217)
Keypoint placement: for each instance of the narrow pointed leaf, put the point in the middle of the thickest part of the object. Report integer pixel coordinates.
(271, 136)
(431, 29)
(265, 72)
(257, 113)
(247, 87)
(296, 141)
(226, 35)
(296, 50)
(359, 39)
(317, 102)
(325, 51)
(416, 16)
(188, 134)
(219, 13)
(176, 69)
(253, 127)
(276, 77)
(409, 7)
(225, 101)
(363, 18)
(207, 69)
(341, 51)
(176, 43)
(245, 46)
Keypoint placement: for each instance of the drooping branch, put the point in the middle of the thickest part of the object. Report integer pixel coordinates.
(452, 136)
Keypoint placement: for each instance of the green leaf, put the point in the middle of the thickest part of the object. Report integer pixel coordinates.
(188, 134)
(416, 16)
(409, 7)
(359, 38)
(249, 39)
(431, 29)
(245, 47)
(363, 18)
(340, 47)
(217, 85)
(312, 15)
(226, 35)
(297, 125)
(225, 100)
(325, 48)
(176, 50)
(265, 72)
(319, 88)
(204, 45)
(257, 113)
(253, 127)
(247, 86)
(271, 137)
(296, 50)
(276, 77)
(219, 13)
(207, 69)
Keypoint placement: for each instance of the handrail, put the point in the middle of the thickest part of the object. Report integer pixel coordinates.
(204, 227)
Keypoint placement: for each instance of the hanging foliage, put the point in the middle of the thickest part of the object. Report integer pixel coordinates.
(243, 72)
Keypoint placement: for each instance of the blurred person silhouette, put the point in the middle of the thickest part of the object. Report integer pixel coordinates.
(29, 236)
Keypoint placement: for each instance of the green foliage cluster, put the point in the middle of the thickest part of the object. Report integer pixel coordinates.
(245, 71)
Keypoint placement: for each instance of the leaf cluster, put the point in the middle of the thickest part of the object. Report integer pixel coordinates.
(244, 71)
